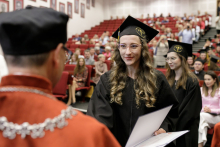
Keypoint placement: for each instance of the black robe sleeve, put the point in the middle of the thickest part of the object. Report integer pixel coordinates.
(99, 105)
(166, 97)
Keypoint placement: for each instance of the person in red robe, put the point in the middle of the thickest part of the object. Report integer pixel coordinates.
(33, 42)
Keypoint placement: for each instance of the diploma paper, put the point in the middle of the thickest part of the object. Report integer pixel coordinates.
(145, 127)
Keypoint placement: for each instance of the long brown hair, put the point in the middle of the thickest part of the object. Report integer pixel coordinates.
(79, 69)
(145, 84)
(215, 87)
(186, 72)
(213, 66)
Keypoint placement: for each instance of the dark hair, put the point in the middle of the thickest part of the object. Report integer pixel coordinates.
(27, 60)
(215, 87)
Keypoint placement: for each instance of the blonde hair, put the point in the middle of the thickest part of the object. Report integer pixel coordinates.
(101, 55)
(145, 84)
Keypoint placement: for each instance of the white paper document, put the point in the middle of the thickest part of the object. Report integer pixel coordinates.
(145, 127)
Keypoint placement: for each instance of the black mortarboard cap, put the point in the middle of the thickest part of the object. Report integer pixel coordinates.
(200, 60)
(215, 36)
(204, 50)
(183, 49)
(218, 44)
(32, 30)
(132, 26)
(214, 58)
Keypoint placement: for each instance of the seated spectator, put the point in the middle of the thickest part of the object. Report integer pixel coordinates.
(168, 32)
(105, 38)
(154, 47)
(100, 68)
(208, 43)
(83, 41)
(184, 17)
(88, 60)
(107, 53)
(77, 51)
(217, 51)
(97, 50)
(95, 39)
(151, 21)
(206, 22)
(161, 15)
(162, 49)
(148, 16)
(190, 61)
(213, 66)
(198, 66)
(216, 39)
(86, 37)
(158, 21)
(210, 106)
(145, 22)
(92, 53)
(169, 15)
(165, 20)
(172, 37)
(77, 38)
(142, 16)
(73, 59)
(154, 15)
(197, 32)
(191, 17)
(80, 75)
(163, 28)
(179, 20)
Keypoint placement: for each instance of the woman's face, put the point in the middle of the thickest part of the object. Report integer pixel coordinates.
(209, 81)
(173, 61)
(73, 58)
(172, 36)
(190, 60)
(81, 62)
(77, 52)
(130, 49)
(203, 56)
(218, 49)
(102, 59)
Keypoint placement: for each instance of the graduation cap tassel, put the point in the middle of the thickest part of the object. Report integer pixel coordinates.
(207, 56)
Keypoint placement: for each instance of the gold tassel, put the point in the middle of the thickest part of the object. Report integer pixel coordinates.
(208, 59)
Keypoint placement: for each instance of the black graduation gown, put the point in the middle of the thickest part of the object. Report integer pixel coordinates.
(200, 75)
(120, 119)
(190, 105)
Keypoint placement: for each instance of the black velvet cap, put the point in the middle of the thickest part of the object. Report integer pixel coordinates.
(32, 30)
(132, 26)
(204, 50)
(200, 60)
(183, 49)
(214, 58)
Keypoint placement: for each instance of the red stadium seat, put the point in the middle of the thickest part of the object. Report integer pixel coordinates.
(201, 83)
(163, 70)
(108, 62)
(74, 45)
(59, 90)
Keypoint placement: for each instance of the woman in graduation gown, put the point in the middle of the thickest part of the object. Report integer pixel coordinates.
(133, 87)
(186, 88)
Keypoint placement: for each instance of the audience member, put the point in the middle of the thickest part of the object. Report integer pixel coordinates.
(169, 15)
(77, 38)
(162, 48)
(187, 34)
(158, 22)
(154, 47)
(217, 24)
(106, 38)
(100, 68)
(95, 39)
(218, 50)
(88, 60)
(210, 106)
(161, 15)
(92, 53)
(198, 66)
(154, 15)
(202, 26)
(83, 41)
(77, 51)
(74, 59)
(86, 37)
(80, 75)
(165, 20)
(172, 37)
(107, 53)
(168, 32)
(151, 21)
(208, 43)
(190, 61)
(213, 66)
(216, 39)
(97, 50)
(216, 136)
(203, 55)
(197, 32)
